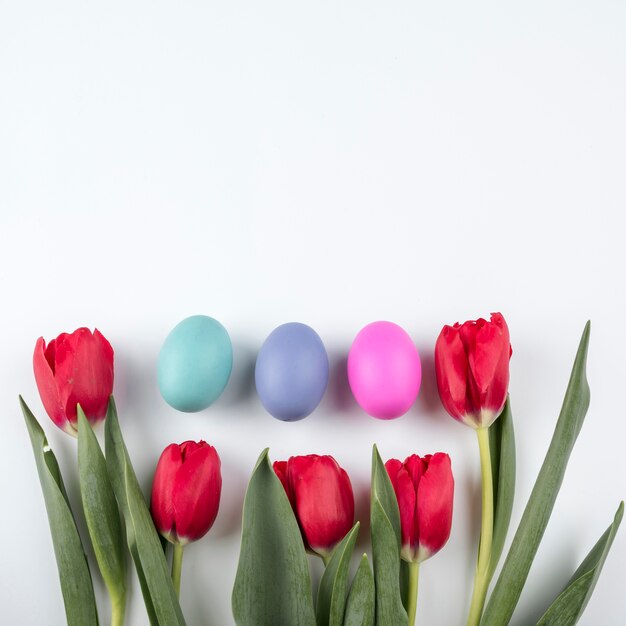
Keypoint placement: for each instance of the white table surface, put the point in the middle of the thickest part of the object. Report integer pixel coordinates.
(334, 164)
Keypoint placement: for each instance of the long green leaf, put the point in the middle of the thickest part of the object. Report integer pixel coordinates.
(273, 584)
(101, 513)
(360, 609)
(333, 590)
(385, 530)
(541, 502)
(143, 541)
(405, 575)
(568, 607)
(502, 447)
(76, 583)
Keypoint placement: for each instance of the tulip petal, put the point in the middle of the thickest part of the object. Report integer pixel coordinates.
(161, 506)
(497, 392)
(472, 366)
(324, 502)
(197, 490)
(84, 371)
(434, 505)
(46, 384)
(49, 353)
(488, 349)
(452, 369)
(404, 488)
(415, 468)
(280, 469)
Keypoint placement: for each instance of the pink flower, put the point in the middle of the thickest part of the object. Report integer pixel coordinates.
(472, 364)
(425, 490)
(73, 369)
(186, 491)
(321, 495)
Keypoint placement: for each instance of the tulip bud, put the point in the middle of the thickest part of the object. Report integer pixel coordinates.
(321, 495)
(73, 369)
(472, 364)
(186, 491)
(424, 489)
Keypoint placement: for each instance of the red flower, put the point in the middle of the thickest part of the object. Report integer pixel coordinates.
(425, 490)
(321, 495)
(186, 491)
(73, 369)
(472, 363)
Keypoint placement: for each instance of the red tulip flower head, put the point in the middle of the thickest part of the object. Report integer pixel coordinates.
(472, 364)
(425, 490)
(73, 369)
(321, 495)
(186, 491)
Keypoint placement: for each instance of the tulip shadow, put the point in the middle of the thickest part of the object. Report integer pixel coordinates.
(199, 601)
(362, 514)
(135, 384)
(553, 573)
(228, 521)
(241, 387)
(220, 541)
(473, 489)
(338, 393)
(316, 571)
(197, 611)
(428, 399)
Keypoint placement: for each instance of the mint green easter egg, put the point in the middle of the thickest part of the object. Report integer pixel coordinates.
(195, 363)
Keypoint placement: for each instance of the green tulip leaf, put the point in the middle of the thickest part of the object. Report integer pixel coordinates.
(333, 591)
(405, 574)
(535, 518)
(502, 448)
(360, 609)
(568, 607)
(143, 541)
(74, 574)
(385, 530)
(273, 584)
(101, 513)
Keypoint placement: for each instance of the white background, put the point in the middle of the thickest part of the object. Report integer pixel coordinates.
(332, 163)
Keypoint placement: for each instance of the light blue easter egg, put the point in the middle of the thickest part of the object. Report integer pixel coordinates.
(194, 363)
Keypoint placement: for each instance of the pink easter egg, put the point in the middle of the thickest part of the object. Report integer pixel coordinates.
(384, 370)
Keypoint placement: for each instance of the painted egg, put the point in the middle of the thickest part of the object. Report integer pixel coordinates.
(291, 372)
(195, 363)
(384, 370)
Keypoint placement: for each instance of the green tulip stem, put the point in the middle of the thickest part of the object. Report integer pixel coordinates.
(326, 559)
(118, 607)
(481, 577)
(414, 572)
(177, 567)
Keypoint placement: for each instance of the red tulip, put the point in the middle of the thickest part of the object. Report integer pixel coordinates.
(186, 491)
(321, 496)
(472, 363)
(73, 369)
(424, 489)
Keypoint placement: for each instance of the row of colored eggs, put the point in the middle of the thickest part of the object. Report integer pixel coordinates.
(292, 370)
